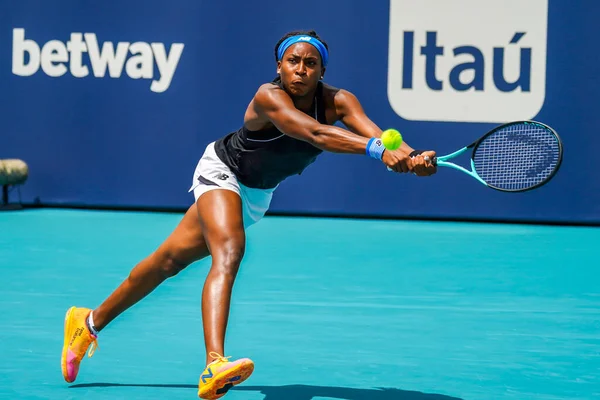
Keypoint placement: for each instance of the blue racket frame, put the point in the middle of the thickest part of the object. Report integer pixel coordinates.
(443, 160)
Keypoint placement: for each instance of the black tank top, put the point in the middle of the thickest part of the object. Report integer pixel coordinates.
(263, 159)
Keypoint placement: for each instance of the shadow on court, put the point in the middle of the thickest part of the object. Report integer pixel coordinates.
(302, 392)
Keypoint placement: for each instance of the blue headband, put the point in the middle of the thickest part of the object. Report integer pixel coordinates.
(307, 39)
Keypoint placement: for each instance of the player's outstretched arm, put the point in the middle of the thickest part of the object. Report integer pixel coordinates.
(279, 108)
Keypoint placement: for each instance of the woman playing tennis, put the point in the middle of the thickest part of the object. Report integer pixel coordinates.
(287, 124)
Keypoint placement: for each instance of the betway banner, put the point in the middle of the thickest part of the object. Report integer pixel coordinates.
(56, 58)
(112, 103)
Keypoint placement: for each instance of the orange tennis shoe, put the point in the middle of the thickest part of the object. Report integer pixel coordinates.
(222, 374)
(77, 340)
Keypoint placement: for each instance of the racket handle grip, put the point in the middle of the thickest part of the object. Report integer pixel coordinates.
(434, 161)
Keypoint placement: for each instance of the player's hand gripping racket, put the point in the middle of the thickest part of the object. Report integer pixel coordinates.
(513, 157)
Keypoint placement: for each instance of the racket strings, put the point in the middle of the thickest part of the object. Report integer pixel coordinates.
(517, 157)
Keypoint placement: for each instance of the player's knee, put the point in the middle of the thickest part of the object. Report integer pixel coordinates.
(171, 266)
(229, 256)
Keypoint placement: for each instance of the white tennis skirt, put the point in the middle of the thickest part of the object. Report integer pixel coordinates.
(211, 173)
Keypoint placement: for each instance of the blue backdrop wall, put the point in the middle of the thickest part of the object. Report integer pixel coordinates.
(112, 103)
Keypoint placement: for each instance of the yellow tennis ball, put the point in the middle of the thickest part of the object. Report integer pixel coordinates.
(391, 138)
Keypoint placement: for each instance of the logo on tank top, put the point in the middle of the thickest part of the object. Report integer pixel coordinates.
(467, 60)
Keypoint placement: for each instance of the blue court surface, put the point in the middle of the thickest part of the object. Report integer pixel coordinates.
(326, 308)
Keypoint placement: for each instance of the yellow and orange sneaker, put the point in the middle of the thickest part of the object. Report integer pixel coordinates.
(77, 340)
(222, 374)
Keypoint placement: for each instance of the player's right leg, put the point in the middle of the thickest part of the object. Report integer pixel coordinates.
(221, 218)
(184, 246)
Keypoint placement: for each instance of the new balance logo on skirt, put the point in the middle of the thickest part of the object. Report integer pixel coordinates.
(56, 58)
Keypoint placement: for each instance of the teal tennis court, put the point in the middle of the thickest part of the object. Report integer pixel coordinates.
(326, 308)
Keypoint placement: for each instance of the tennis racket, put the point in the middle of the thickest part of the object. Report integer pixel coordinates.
(513, 157)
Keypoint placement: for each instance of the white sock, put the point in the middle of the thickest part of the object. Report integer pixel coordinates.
(90, 322)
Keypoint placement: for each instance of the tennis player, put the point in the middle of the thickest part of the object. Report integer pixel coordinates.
(287, 124)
